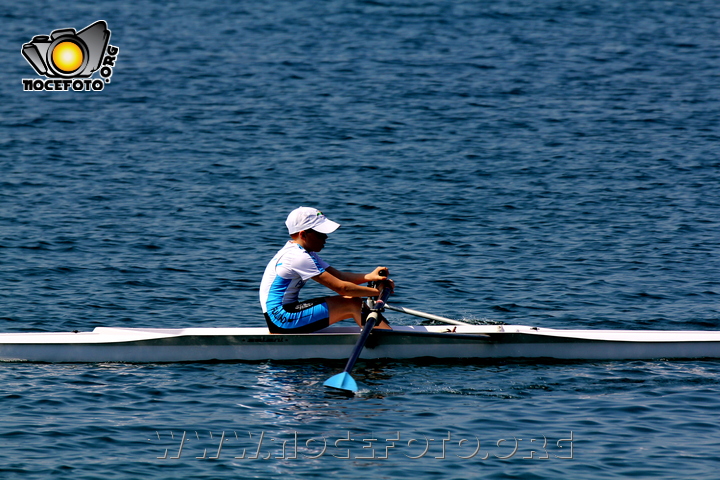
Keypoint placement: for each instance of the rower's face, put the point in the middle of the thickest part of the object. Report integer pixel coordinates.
(314, 241)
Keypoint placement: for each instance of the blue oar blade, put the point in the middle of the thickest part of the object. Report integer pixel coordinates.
(342, 381)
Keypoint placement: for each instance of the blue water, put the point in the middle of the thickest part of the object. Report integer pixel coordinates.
(547, 163)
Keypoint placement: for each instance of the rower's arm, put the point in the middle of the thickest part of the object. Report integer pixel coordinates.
(358, 278)
(344, 287)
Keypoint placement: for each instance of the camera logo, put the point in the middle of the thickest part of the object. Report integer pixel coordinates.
(68, 59)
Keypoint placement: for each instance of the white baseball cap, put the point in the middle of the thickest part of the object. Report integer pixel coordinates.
(306, 218)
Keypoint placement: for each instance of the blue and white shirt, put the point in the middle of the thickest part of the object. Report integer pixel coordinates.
(287, 273)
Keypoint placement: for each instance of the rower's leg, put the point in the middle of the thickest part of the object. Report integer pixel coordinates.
(348, 307)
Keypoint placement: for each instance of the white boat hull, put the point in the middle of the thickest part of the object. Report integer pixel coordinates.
(144, 345)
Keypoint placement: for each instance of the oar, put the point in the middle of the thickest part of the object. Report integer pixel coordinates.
(426, 315)
(343, 381)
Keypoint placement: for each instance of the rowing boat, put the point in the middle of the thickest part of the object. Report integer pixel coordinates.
(149, 345)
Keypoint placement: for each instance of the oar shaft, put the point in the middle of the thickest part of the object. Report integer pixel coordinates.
(369, 325)
(344, 381)
(429, 316)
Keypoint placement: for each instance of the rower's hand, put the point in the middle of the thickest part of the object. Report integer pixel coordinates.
(381, 274)
(389, 283)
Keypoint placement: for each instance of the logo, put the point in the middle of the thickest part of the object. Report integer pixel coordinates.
(68, 59)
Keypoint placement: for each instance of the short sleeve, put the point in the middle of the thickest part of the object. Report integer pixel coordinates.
(307, 265)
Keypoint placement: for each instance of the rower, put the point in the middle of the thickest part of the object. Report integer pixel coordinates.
(295, 264)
